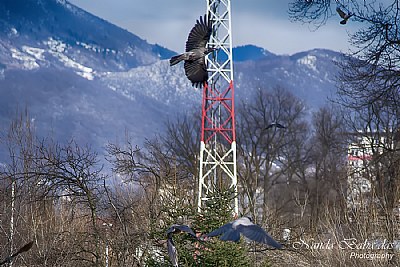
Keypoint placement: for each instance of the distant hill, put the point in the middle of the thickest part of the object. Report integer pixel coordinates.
(251, 52)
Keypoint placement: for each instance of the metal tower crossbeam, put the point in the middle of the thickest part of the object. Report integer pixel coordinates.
(218, 139)
(214, 100)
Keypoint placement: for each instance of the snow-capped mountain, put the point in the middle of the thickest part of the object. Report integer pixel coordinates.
(251, 52)
(310, 75)
(42, 32)
(82, 77)
(51, 55)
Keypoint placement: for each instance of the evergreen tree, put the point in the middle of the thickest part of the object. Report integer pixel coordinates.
(213, 252)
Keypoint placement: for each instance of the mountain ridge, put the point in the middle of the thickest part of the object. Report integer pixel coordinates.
(84, 33)
(84, 88)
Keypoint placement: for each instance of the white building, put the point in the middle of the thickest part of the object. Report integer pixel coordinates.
(359, 179)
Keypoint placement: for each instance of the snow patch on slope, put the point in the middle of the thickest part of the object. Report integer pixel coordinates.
(158, 81)
(96, 48)
(12, 33)
(309, 61)
(28, 62)
(37, 53)
(58, 50)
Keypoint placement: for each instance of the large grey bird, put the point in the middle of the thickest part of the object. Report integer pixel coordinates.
(231, 232)
(343, 15)
(195, 52)
(176, 228)
(22, 249)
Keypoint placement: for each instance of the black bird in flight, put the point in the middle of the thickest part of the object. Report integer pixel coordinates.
(231, 232)
(195, 52)
(275, 124)
(343, 15)
(176, 228)
(23, 249)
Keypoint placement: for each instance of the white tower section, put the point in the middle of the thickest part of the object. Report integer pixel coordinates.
(218, 140)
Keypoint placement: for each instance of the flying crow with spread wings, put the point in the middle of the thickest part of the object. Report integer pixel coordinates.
(343, 15)
(195, 52)
(275, 124)
(174, 229)
(231, 232)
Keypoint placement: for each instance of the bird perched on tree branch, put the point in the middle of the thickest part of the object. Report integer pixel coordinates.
(195, 52)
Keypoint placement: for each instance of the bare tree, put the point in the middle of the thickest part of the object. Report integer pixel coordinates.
(328, 162)
(371, 72)
(57, 189)
(265, 153)
(162, 182)
(369, 87)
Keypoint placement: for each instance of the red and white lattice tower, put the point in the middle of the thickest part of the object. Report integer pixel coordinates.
(218, 140)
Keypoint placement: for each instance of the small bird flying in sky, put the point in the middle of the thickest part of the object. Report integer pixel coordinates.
(195, 52)
(231, 232)
(275, 124)
(343, 15)
(174, 229)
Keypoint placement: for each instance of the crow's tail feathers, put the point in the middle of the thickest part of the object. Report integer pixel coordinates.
(176, 59)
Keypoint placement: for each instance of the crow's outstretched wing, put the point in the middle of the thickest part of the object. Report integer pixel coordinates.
(199, 34)
(186, 229)
(196, 71)
(223, 229)
(256, 233)
(231, 235)
(173, 255)
(176, 228)
(341, 13)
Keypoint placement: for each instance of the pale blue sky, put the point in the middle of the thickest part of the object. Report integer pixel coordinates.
(263, 23)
